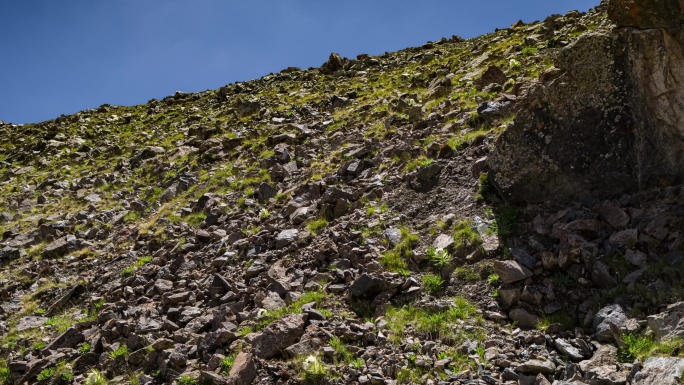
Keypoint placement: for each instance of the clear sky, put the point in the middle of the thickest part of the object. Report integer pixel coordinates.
(63, 56)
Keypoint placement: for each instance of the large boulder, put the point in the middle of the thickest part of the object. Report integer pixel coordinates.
(279, 335)
(661, 371)
(646, 13)
(608, 119)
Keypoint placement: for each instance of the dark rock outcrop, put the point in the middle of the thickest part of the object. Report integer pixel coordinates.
(608, 119)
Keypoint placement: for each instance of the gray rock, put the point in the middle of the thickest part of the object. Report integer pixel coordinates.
(211, 378)
(537, 366)
(443, 241)
(286, 237)
(429, 173)
(68, 339)
(393, 236)
(636, 74)
(564, 347)
(279, 335)
(668, 324)
(524, 319)
(367, 286)
(614, 314)
(57, 248)
(624, 237)
(30, 322)
(92, 198)
(635, 257)
(605, 355)
(243, 371)
(272, 301)
(301, 214)
(265, 192)
(661, 371)
(616, 217)
(646, 13)
(511, 271)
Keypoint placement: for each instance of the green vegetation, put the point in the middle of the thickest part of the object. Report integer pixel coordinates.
(142, 261)
(46, 374)
(556, 318)
(397, 259)
(187, 380)
(493, 279)
(439, 257)
(227, 363)
(433, 283)
(316, 225)
(60, 323)
(96, 377)
(120, 352)
(428, 323)
(505, 222)
(314, 370)
(465, 236)
(342, 354)
(485, 188)
(316, 297)
(639, 347)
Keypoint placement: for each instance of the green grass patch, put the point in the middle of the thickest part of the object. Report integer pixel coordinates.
(396, 259)
(433, 283)
(431, 324)
(120, 352)
(316, 297)
(316, 225)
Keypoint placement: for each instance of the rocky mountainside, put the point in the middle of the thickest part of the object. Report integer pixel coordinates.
(498, 210)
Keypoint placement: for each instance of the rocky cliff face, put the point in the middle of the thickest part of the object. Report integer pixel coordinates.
(608, 119)
(335, 226)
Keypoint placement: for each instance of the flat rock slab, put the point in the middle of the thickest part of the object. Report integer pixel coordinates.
(68, 339)
(278, 336)
(511, 271)
(286, 237)
(661, 371)
(537, 366)
(30, 322)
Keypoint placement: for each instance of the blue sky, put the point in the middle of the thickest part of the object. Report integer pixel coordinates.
(60, 57)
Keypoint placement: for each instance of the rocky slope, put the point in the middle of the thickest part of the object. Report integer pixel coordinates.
(383, 220)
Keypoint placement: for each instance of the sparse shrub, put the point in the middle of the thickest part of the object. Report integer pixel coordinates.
(396, 259)
(142, 261)
(84, 348)
(505, 222)
(493, 279)
(561, 280)
(485, 187)
(264, 214)
(439, 257)
(433, 283)
(341, 350)
(128, 271)
(314, 371)
(60, 323)
(514, 65)
(120, 352)
(5, 375)
(465, 235)
(46, 374)
(227, 363)
(636, 346)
